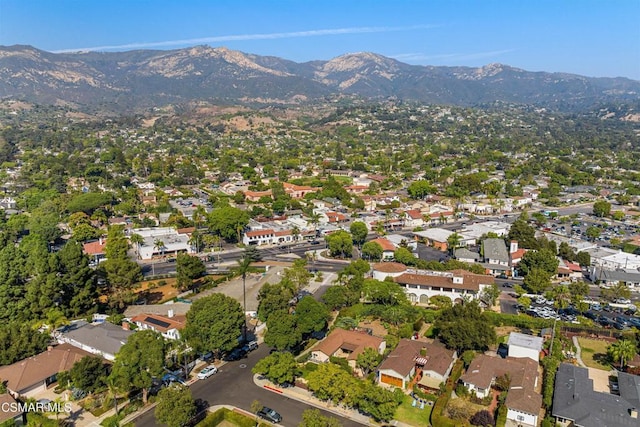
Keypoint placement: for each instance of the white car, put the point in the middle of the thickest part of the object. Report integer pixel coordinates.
(207, 372)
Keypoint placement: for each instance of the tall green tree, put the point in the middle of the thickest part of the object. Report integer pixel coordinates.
(340, 244)
(188, 268)
(214, 323)
(175, 406)
(139, 361)
(601, 208)
(368, 360)
(537, 281)
(544, 260)
(313, 418)
(623, 351)
(282, 331)
(359, 232)
(523, 233)
(465, 327)
(312, 315)
(225, 221)
(278, 367)
(372, 251)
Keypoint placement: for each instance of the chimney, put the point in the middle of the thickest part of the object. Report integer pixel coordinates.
(49, 347)
(126, 326)
(513, 247)
(634, 413)
(101, 241)
(170, 313)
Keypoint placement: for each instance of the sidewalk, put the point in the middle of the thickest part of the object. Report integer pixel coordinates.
(301, 395)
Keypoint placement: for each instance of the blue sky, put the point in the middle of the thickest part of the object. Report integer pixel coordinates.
(593, 38)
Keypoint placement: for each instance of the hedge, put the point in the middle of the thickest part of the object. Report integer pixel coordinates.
(437, 413)
(223, 414)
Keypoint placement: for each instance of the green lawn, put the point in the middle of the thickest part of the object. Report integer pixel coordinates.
(594, 353)
(413, 415)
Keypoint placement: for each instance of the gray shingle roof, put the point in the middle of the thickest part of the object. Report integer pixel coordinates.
(104, 337)
(574, 399)
(495, 249)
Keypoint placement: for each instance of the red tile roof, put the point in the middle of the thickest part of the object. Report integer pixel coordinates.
(356, 342)
(414, 214)
(257, 233)
(94, 248)
(389, 267)
(385, 243)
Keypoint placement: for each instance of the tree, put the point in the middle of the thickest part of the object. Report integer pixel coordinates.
(404, 256)
(420, 189)
(89, 374)
(384, 292)
(137, 240)
(617, 291)
(282, 331)
(297, 275)
(139, 361)
(482, 418)
(490, 294)
(274, 298)
(453, 241)
(313, 418)
(279, 367)
(578, 291)
(84, 232)
(524, 301)
(601, 208)
(244, 264)
(340, 244)
(311, 315)
(188, 268)
(159, 245)
(523, 233)
(583, 258)
(214, 324)
(543, 259)
(368, 360)
(359, 232)
(537, 281)
(225, 221)
(440, 301)
(593, 233)
(561, 296)
(121, 275)
(465, 327)
(566, 252)
(18, 340)
(622, 350)
(372, 251)
(175, 406)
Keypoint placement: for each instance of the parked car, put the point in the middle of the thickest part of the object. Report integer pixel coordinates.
(250, 346)
(235, 354)
(207, 372)
(270, 415)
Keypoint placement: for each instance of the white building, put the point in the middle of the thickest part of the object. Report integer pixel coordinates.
(523, 345)
(172, 242)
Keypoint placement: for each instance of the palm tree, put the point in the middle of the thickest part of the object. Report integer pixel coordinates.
(194, 240)
(113, 390)
(314, 219)
(137, 240)
(623, 350)
(244, 264)
(453, 241)
(159, 245)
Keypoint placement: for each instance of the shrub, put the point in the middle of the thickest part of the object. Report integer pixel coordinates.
(482, 418)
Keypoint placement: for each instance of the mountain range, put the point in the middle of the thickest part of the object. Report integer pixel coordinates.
(121, 81)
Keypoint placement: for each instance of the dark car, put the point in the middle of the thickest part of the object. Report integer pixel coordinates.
(269, 415)
(235, 354)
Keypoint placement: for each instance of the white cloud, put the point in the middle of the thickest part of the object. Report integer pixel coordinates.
(242, 37)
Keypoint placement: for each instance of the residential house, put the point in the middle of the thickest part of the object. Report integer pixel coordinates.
(388, 248)
(299, 191)
(399, 240)
(8, 203)
(420, 285)
(523, 402)
(515, 256)
(523, 345)
(102, 339)
(577, 404)
(465, 255)
(569, 271)
(607, 278)
(496, 257)
(168, 326)
(413, 218)
(10, 412)
(412, 361)
(95, 250)
(347, 345)
(258, 237)
(33, 375)
(477, 230)
(255, 196)
(177, 308)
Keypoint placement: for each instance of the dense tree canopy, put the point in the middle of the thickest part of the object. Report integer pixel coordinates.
(465, 327)
(214, 324)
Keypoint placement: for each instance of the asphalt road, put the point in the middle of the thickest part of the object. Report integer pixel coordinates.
(233, 385)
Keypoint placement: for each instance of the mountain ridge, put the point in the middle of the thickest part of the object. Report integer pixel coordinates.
(144, 78)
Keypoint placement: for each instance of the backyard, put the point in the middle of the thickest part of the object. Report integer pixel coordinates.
(594, 353)
(413, 415)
